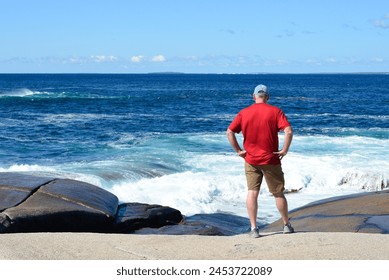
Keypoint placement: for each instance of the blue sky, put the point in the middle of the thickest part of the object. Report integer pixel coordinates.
(194, 36)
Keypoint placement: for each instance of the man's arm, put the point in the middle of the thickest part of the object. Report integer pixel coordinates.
(287, 141)
(234, 143)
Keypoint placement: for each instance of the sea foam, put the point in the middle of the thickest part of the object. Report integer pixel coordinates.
(22, 92)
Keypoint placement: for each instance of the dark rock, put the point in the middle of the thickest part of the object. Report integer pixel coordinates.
(4, 223)
(227, 224)
(15, 188)
(134, 216)
(363, 212)
(182, 229)
(84, 194)
(221, 224)
(22, 181)
(62, 205)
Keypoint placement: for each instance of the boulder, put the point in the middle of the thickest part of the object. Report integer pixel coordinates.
(364, 212)
(36, 204)
(57, 205)
(134, 216)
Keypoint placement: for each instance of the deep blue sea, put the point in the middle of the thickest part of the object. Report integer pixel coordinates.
(160, 138)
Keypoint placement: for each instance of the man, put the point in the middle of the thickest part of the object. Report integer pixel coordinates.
(260, 124)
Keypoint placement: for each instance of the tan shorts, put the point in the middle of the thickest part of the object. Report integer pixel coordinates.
(273, 175)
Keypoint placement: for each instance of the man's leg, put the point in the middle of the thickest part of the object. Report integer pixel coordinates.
(252, 207)
(276, 182)
(254, 179)
(282, 206)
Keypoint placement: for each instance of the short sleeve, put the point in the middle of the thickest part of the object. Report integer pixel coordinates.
(236, 124)
(282, 121)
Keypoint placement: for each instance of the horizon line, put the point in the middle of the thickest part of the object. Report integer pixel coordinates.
(190, 73)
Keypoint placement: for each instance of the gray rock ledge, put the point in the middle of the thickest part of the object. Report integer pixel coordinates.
(363, 212)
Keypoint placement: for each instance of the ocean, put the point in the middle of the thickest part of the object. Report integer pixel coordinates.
(160, 138)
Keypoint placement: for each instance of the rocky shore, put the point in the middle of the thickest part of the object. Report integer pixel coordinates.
(41, 204)
(60, 219)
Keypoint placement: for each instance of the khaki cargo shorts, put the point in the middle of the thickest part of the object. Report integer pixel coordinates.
(273, 175)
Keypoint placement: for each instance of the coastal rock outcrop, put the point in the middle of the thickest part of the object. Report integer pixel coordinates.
(30, 203)
(134, 216)
(38, 204)
(41, 204)
(364, 212)
(44, 204)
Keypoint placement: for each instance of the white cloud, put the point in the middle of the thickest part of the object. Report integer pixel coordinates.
(142, 58)
(192, 58)
(158, 58)
(382, 22)
(331, 60)
(378, 60)
(137, 58)
(74, 60)
(313, 61)
(103, 58)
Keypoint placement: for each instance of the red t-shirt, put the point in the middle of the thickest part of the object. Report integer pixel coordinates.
(260, 124)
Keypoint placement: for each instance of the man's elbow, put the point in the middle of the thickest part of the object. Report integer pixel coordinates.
(229, 132)
(288, 130)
